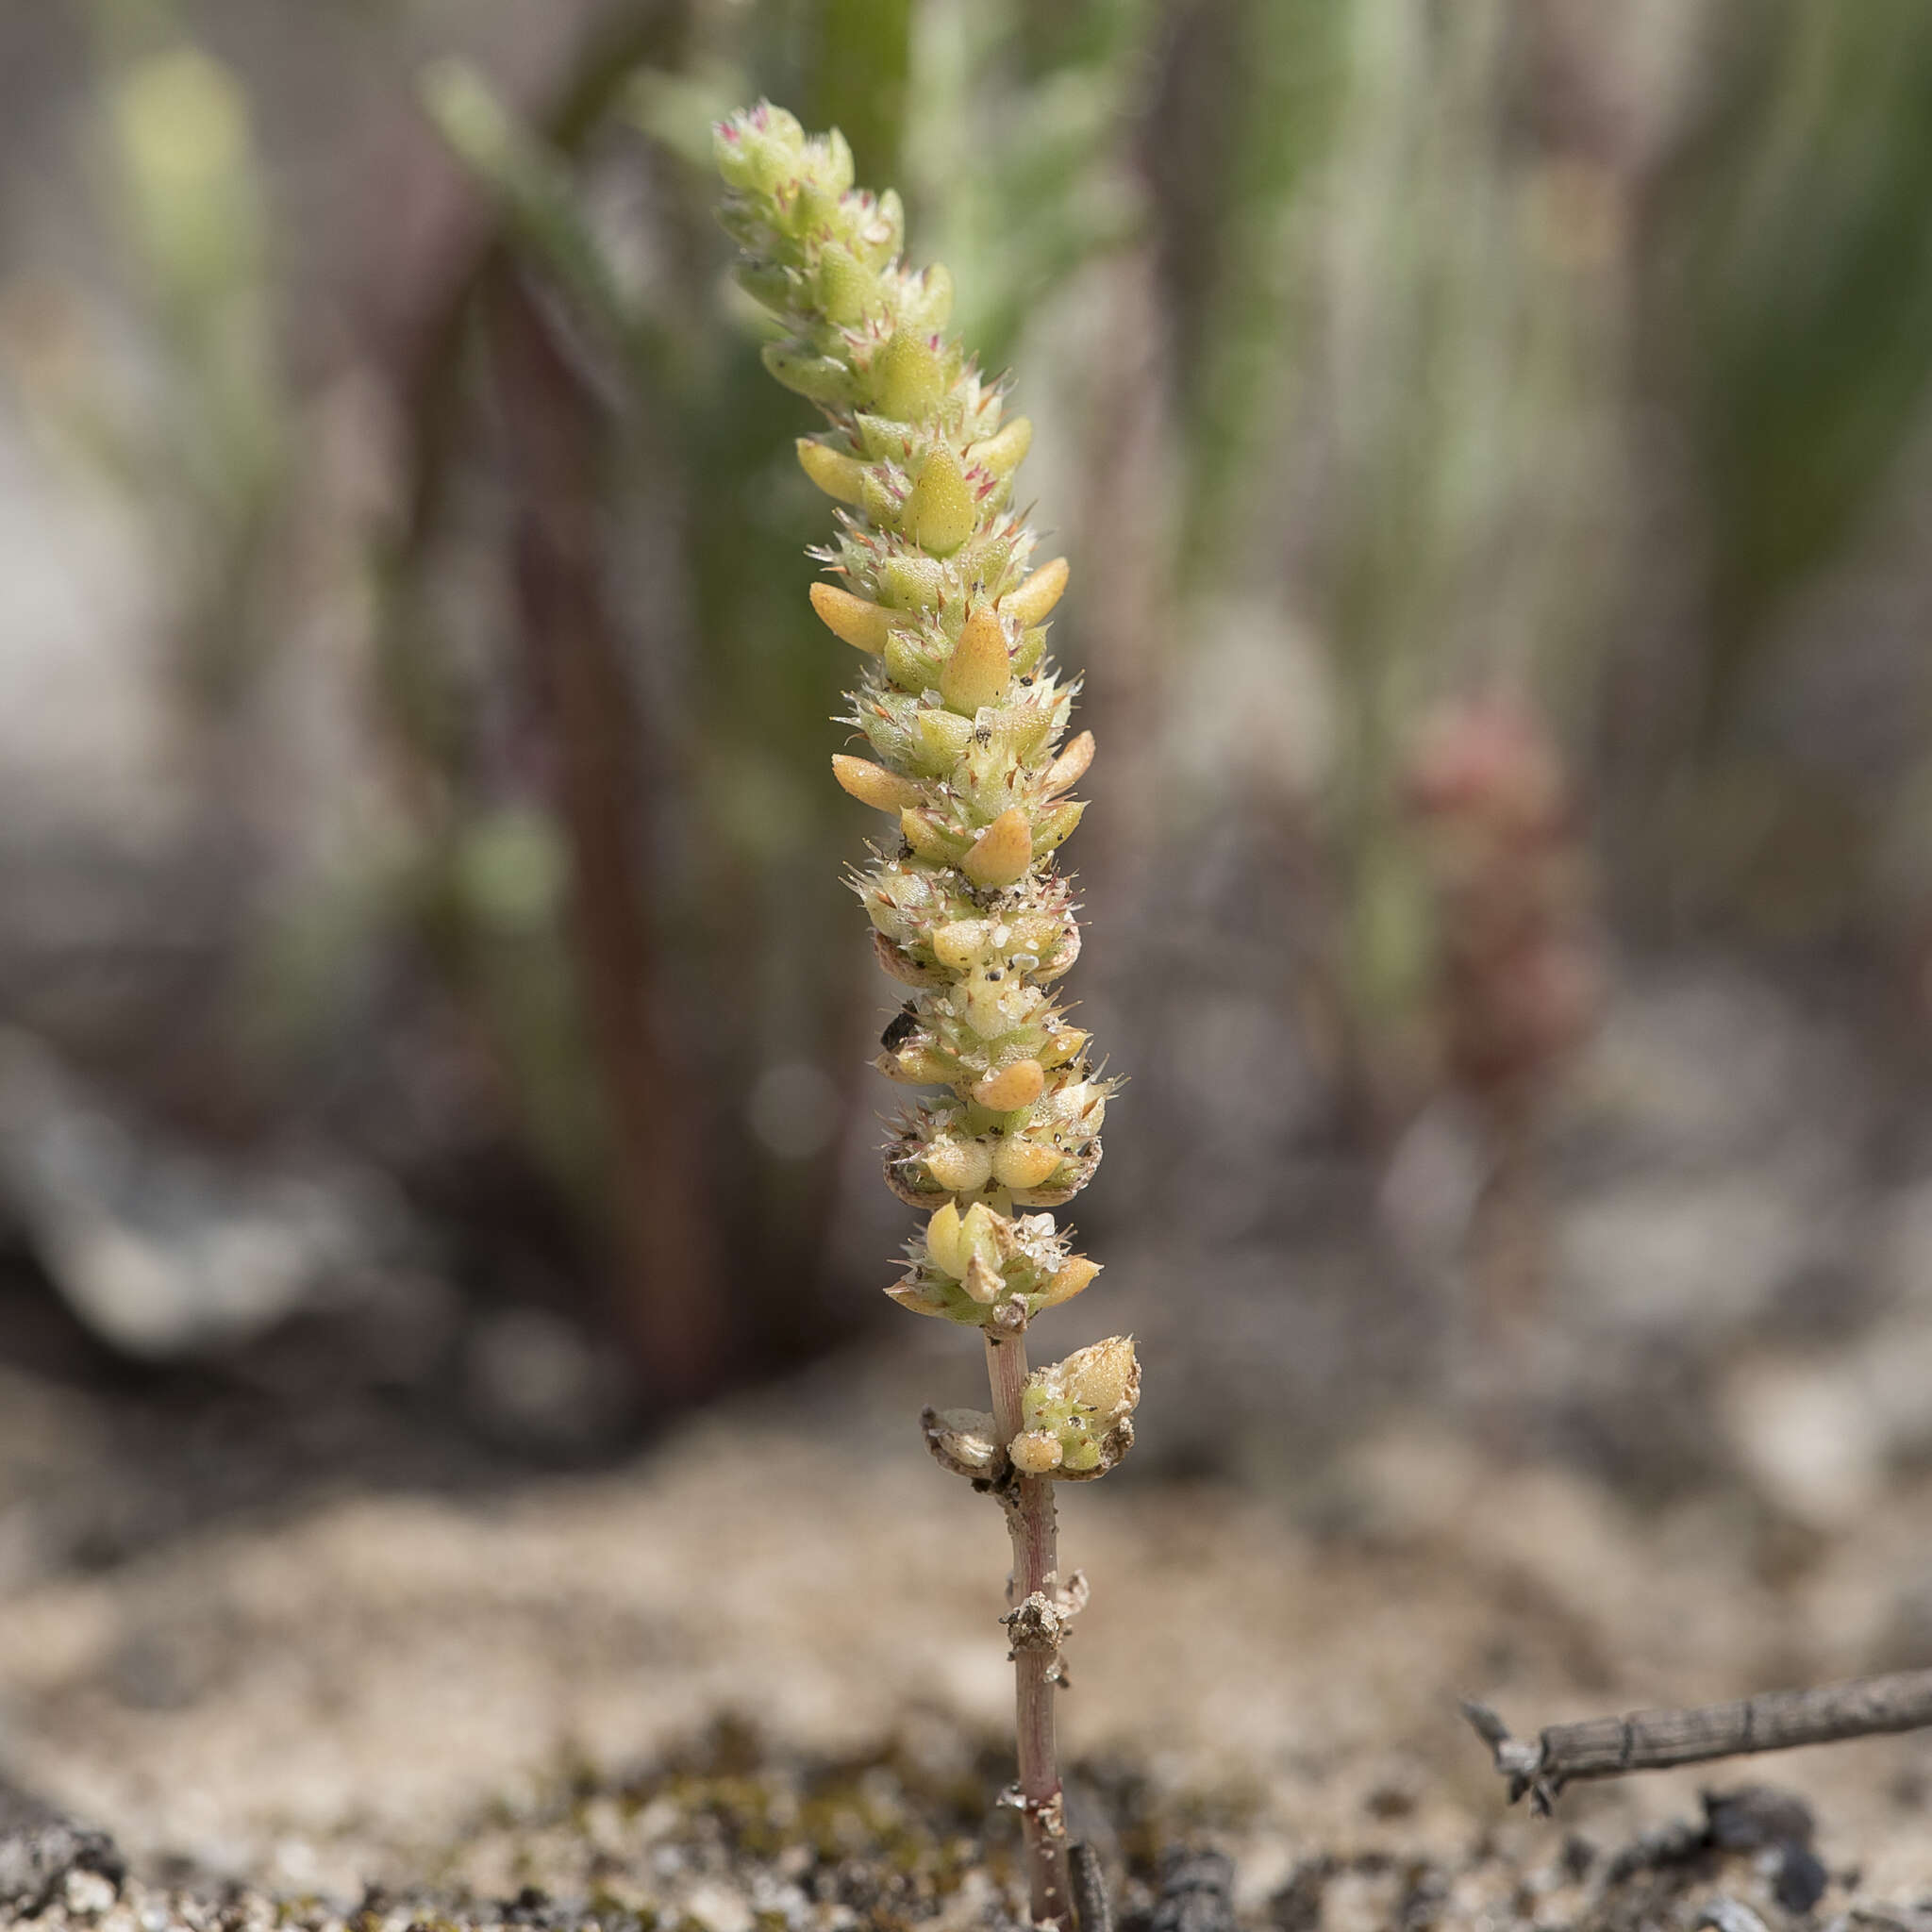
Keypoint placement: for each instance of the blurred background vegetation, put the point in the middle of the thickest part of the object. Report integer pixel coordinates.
(424, 938)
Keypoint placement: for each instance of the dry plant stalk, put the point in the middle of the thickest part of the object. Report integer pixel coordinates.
(965, 718)
(1660, 1740)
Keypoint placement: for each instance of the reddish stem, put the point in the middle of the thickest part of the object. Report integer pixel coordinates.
(1030, 1520)
(576, 657)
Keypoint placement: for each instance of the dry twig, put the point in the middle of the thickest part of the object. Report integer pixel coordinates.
(1658, 1740)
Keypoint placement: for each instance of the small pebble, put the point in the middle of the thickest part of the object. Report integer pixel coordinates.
(1729, 1914)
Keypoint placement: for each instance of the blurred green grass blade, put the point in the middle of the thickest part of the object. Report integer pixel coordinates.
(860, 82)
(1283, 83)
(1795, 257)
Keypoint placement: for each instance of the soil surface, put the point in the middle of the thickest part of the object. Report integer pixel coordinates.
(278, 1649)
(755, 1680)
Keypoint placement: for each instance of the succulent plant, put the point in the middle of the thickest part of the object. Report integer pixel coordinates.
(964, 721)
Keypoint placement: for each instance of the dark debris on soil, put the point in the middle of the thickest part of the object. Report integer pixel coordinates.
(726, 1836)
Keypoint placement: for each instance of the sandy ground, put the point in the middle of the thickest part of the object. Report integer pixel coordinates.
(416, 1693)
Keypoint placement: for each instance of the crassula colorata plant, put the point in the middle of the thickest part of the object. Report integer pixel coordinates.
(932, 580)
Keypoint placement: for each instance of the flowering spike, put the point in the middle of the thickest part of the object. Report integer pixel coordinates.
(965, 717)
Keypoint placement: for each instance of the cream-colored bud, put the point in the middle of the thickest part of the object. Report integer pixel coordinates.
(939, 511)
(961, 1167)
(946, 1242)
(852, 620)
(1022, 1163)
(979, 670)
(1071, 1276)
(1070, 766)
(1011, 1086)
(982, 1283)
(1002, 852)
(1036, 1452)
(838, 475)
(1002, 454)
(872, 784)
(959, 942)
(1038, 593)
